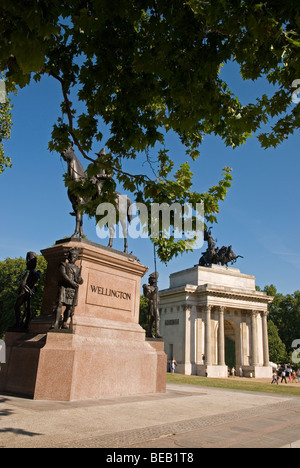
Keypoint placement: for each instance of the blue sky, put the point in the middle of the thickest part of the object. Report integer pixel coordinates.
(259, 217)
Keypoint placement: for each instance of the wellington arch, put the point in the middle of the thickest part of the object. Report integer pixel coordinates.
(208, 310)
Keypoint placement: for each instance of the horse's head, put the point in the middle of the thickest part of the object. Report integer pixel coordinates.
(69, 154)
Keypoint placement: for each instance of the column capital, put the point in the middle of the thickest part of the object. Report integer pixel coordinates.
(205, 308)
(254, 313)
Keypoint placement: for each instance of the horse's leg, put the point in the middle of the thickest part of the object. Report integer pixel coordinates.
(78, 230)
(123, 222)
(123, 205)
(81, 227)
(80, 221)
(111, 236)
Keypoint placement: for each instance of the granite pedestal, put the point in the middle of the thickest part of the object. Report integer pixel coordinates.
(106, 354)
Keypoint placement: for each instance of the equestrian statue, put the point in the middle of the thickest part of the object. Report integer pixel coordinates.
(215, 256)
(76, 173)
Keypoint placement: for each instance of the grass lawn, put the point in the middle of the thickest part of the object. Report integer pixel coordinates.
(237, 383)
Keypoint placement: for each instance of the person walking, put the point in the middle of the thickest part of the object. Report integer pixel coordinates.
(283, 376)
(173, 366)
(275, 378)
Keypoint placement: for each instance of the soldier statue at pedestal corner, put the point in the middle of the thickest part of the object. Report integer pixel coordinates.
(26, 292)
(69, 282)
(152, 294)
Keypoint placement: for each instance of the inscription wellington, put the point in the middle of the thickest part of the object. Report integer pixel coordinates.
(110, 292)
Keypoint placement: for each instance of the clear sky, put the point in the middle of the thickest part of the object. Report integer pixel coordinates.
(259, 218)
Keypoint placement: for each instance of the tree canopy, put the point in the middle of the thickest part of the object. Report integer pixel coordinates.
(5, 129)
(285, 314)
(143, 68)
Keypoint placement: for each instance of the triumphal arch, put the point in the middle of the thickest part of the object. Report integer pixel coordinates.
(213, 317)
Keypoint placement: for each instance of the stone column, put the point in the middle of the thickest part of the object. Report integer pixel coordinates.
(199, 340)
(265, 338)
(243, 339)
(254, 314)
(221, 344)
(187, 340)
(208, 359)
(193, 336)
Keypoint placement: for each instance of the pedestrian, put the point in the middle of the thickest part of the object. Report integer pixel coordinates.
(294, 376)
(275, 378)
(283, 376)
(173, 366)
(233, 372)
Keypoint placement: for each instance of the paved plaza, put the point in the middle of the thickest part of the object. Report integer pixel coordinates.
(185, 417)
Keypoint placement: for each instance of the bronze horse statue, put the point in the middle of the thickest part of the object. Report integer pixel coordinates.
(216, 256)
(77, 174)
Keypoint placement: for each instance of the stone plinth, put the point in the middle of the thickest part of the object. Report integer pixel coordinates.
(106, 354)
(18, 375)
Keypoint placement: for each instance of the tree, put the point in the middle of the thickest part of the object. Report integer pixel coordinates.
(11, 273)
(143, 68)
(5, 131)
(278, 352)
(144, 314)
(285, 314)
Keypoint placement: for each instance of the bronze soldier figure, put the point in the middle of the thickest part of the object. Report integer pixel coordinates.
(26, 291)
(70, 280)
(151, 293)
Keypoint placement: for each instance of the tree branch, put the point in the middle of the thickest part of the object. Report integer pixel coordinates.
(75, 139)
(70, 116)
